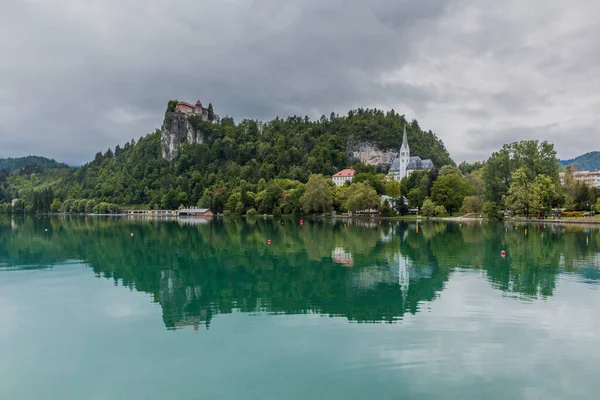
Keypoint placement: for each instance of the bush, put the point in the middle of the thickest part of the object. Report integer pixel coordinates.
(251, 213)
(597, 206)
(573, 214)
(440, 211)
(387, 210)
(492, 211)
(428, 208)
(471, 204)
(277, 212)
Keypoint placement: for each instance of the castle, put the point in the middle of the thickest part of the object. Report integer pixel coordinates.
(404, 164)
(188, 109)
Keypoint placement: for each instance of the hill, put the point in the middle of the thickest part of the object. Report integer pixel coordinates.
(14, 164)
(215, 159)
(586, 162)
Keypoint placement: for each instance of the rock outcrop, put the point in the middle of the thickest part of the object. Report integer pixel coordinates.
(369, 154)
(177, 130)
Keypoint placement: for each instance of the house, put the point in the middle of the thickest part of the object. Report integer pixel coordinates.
(404, 164)
(196, 212)
(343, 176)
(591, 178)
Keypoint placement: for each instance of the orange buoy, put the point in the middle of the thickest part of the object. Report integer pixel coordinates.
(503, 253)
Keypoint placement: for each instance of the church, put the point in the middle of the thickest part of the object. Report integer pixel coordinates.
(404, 164)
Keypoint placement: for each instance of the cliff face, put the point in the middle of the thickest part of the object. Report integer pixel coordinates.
(176, 130)
(370, 154)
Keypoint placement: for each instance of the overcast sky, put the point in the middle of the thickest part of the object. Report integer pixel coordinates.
(79, 76)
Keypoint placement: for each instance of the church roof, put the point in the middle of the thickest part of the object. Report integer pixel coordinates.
(417, 163)
(395, 164)
(198, 104)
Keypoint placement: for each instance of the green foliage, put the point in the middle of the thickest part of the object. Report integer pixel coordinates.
(361, 197)
(545, 195)
(468, 168)
(417, 186)
(387, 210)
(532, 157)
(400, 206)
(392, 188)
(317, 198)
(492, 211)
(520, 195)
(376, 181)
(472, 204)
(5, 208)
(597, 206)
(449, 191)
(56, 205)
(251, 213)
(29, 164)
(428, 208)
(440, 211)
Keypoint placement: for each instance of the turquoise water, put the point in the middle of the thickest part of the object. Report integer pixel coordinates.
(210, 310)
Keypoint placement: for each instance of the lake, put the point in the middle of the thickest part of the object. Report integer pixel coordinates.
(114, 308)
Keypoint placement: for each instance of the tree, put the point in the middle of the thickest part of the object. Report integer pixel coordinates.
(386, 210)
(440, 211)
(428, 208)
(597, 206)
(472, 204)
(392, 188)
(545, 194)
(520, 196)
(211, 113)
(400, 206)
(317, 198)
(56, 205)
(450, 190)
(492, 211)
(362, 197)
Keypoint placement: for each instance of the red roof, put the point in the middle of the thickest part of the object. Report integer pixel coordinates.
(183, 103)
(198, 104)
(345, 172)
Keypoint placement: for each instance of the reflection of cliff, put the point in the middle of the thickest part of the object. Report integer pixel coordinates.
(196, 272)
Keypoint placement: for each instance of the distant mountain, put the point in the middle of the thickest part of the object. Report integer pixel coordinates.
(587, 162)
(14, 164)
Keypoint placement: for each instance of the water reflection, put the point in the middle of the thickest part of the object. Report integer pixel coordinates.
(363, 271)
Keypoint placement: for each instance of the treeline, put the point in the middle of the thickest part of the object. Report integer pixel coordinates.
(262, 164)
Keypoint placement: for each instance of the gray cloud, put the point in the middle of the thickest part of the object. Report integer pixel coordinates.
(78, 77)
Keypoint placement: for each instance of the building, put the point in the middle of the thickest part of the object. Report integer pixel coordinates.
(196, 212)
(591, 178)
(196, 110)
(404, 164)
(343, 176)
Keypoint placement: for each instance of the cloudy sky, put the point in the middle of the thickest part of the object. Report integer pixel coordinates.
(80, 76)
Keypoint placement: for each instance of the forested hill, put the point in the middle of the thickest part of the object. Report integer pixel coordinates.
(586, 162)
(232, 155)
(14, 164)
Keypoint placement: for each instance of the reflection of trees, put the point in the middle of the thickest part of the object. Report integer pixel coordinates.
(198, 271)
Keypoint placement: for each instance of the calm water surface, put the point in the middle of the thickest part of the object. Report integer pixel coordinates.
(188, 310)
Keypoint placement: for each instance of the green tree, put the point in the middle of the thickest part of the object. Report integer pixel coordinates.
(440, 211)
(56, 205)
(362, 197)
(472, 204)
(392, 188)
(317, 198)
(428, 208)
(545, 194)
(492, 211)
(520, 196)
(450, 190)
(387, 210)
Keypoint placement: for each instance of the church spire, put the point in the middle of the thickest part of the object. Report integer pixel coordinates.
(404, 139)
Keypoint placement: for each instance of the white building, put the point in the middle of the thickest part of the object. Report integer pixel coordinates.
(591, 178)
(404, 164)
(343, 176)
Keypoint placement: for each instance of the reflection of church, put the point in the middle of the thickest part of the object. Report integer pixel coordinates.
(403, 165)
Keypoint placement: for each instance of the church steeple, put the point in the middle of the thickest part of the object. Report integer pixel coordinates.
(404, 139)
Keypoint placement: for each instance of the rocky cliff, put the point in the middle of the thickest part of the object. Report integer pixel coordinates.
(370, 154)
(176, 130)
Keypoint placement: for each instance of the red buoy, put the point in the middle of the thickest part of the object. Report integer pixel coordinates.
(269, 241)
(503, 253)
(301, 222)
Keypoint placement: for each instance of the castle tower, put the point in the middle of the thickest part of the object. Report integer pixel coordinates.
(404, 156)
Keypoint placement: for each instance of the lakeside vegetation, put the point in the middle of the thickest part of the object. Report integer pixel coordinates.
(284, 167)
